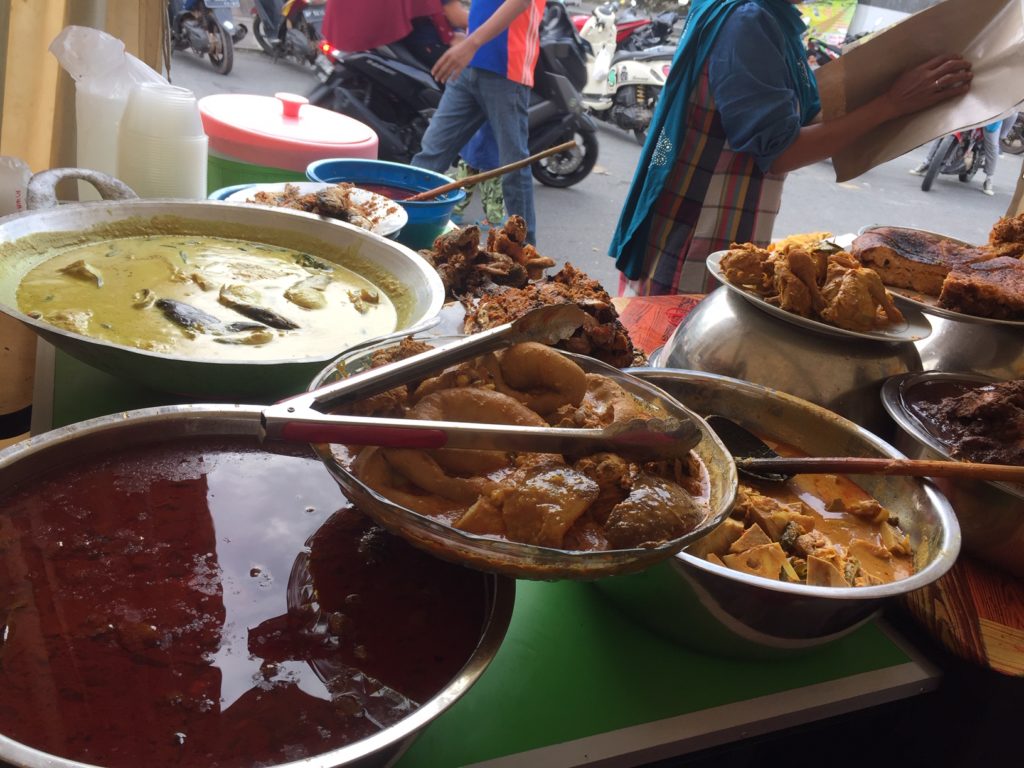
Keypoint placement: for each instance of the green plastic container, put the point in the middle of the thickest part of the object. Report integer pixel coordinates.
(261, 139)
(226, 172)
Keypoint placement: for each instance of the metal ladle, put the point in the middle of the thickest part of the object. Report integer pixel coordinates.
(757, 460)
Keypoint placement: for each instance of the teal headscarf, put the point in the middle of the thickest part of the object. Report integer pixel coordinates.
(703, 24)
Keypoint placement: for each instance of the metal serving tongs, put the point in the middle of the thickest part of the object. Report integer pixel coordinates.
(304, 419)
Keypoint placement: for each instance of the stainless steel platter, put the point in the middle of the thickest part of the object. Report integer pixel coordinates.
(727, 335)
(386, 216)
(909, 299)
(914, 328)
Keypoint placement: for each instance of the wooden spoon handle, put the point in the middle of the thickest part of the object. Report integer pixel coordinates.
(853, 465)
(476, 178)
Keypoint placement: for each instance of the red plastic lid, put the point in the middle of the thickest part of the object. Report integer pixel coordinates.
(282, 131)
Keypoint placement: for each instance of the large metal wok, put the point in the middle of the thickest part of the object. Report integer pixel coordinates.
(30, 238)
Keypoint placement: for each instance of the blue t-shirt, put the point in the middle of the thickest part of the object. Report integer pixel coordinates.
(752, 85)
(513, 52)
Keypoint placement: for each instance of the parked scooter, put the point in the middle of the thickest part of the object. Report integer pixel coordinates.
(622, 86)
(291, 29)
(392, 91)
(627, 23)
(207, 28)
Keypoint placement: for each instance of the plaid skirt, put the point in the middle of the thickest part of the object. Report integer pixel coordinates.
(713, 197)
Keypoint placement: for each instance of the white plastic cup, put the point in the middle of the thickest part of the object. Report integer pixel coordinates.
(162, 149)
(14, 176)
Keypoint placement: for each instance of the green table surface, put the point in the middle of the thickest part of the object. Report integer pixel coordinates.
(572, 667)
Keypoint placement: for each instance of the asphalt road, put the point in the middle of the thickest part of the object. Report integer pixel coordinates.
(576, 224)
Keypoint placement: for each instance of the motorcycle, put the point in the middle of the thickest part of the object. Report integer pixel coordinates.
(961, 153)
(291, 29)
(658, 31)
(207, 28)
(622, 87)
(626, 22)
(1013, 142)
(392, 91)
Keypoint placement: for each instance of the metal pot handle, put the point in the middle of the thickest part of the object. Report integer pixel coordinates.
(42, 187)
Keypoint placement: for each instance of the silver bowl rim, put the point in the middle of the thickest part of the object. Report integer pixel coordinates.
(531, 550)
(492, 636)
(892, 400)
(946, 550)
(159, 207)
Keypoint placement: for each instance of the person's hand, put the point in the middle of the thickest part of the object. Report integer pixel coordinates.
(454, 60)
(928, 84)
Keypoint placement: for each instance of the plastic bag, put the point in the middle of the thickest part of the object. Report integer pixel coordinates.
(104, 73)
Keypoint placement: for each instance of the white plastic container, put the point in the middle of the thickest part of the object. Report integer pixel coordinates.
(105, 75)
(14, 176)
(162, 149)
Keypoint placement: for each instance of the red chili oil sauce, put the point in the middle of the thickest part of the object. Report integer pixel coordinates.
(205, 603)
(395, 193)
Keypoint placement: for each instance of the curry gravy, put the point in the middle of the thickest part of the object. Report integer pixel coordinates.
(821, 493)
(114, 289)
(204, 603)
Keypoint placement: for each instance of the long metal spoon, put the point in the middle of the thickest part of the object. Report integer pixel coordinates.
(755, 459)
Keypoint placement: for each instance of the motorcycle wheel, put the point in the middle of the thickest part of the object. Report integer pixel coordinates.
(567, 168)
(223, 62)
(257, 32)
(937, 161)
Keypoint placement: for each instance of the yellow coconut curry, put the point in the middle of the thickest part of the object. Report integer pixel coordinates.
(207, 297)
(820, 530)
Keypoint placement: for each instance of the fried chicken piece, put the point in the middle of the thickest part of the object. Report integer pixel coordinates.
(510, 240)
(794, 283)
(748, 266)
(853, 297)
(794, 288)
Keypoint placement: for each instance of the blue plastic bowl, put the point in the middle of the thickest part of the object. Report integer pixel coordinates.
(224, 192)
(427, 218)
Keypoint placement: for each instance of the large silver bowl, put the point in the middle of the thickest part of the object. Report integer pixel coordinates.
(30, 238)
(991, 514)
(511, 558)
(973, 345)
(27, 460)
(719, 610)
(727, 335)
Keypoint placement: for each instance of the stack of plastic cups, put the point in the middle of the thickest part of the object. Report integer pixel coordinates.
(162, 149)
(18, 347)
